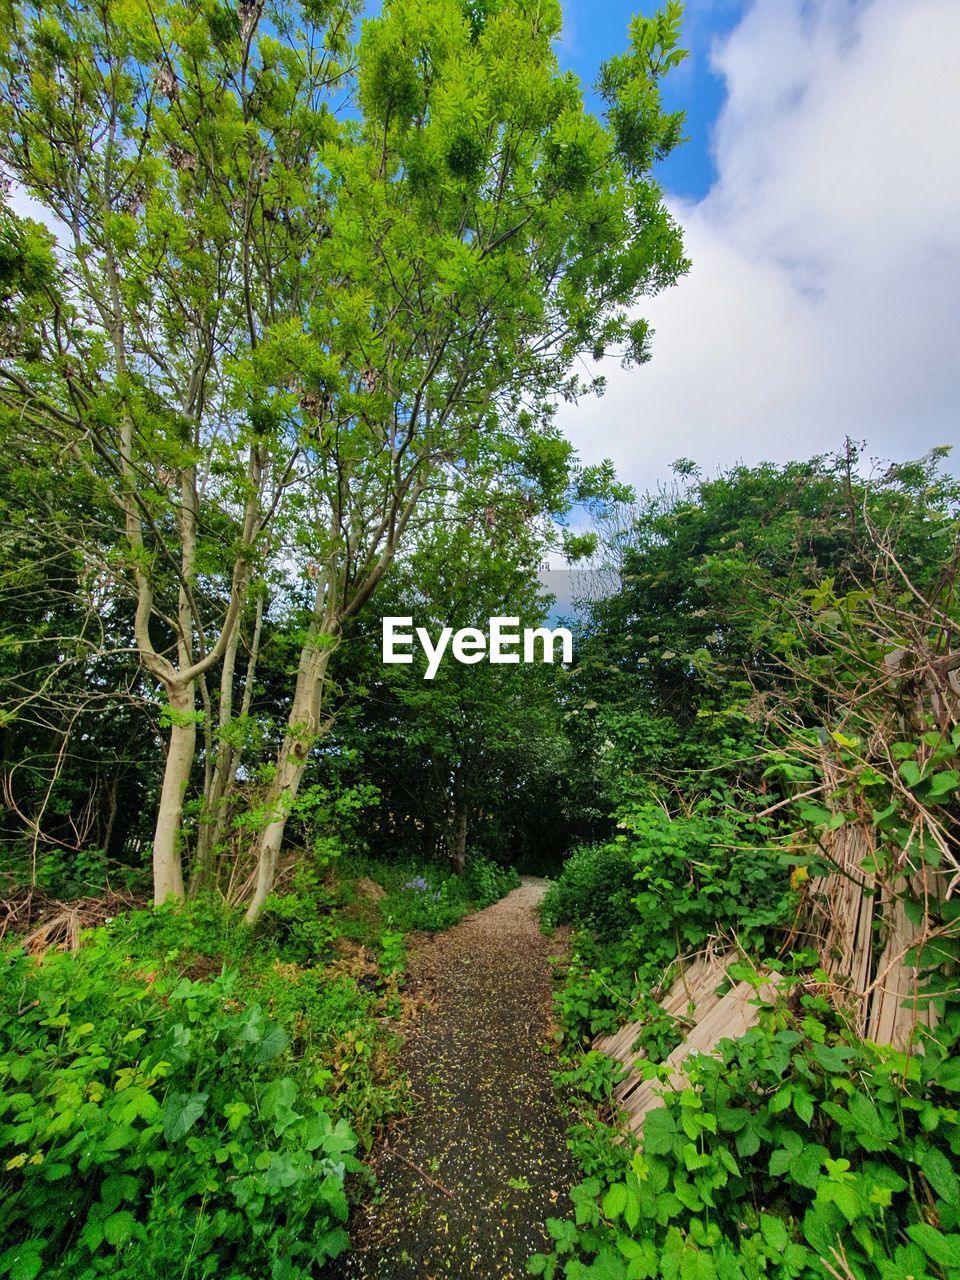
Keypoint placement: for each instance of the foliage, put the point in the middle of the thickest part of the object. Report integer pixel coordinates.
(799, 1151)
(278, 336)
(797, 628)
(174, 1145)
(429, 896)
(182, 1097)
(487, 881)
(661, 888)
(466, 761)
(595, 890)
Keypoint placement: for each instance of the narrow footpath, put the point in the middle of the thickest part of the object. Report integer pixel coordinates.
(469, 1179)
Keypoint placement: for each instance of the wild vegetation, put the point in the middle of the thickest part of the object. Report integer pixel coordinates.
(287, 303)
(775, 673)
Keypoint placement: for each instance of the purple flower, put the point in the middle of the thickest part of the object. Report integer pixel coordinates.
(419, 884)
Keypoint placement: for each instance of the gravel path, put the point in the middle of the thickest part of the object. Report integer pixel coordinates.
(485, 1135)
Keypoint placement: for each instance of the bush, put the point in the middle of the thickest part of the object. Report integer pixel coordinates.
(797, 1147)
(659, 889)
(487, 882)
(148, 1126)
(595, 891)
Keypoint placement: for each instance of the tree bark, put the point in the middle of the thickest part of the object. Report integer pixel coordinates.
(458, 847)
(303, 728)
(224, 774)
(167, 872)
(460, 843)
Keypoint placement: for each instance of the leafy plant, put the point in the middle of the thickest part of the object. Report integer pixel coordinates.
(162, 1147)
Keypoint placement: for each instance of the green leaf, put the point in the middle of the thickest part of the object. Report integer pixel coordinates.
(276, 1104)
(874, 1131)
(941, 784)
(943, 1249)
(281, 1172)
(659, 1131)
(947, 1074)
(181, 1111)
(119, 1227)
(608, 1265)
(117, 1189)
(331, 1244)
(830, 1058)
(22, 1262)
(910, 773)
(806, 1168)
(615, 1201)
(695, 1264)
(844, 1196)
(747, 1141)
(340, 1139)
(774, 1232)
(938, 1171)
(803, 1106)
(274, 1042)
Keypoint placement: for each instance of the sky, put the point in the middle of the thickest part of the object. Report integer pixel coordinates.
(819, 193)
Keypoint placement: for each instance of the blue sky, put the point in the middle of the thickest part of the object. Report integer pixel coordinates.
(819, 193)
(593, 31)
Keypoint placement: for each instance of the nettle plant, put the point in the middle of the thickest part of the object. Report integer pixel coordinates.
(798, 1152)
(147, 1127)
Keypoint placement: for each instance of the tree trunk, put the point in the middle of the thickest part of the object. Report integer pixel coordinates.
(111, 819)
(219, 788)
(167, 870)
(458, 848)
(303, 729)
(460, 843)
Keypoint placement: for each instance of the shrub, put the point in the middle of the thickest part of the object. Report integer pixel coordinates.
(487, 882)
(147, 1127)
(659, 889)
(595, 890)
(799, 1152)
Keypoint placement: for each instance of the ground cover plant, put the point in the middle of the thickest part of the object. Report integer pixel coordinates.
(183, 1097)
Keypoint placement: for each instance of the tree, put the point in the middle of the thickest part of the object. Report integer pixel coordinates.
(476, 741)
(485, 230)
(251, 309)
(711, 573)
(177, 148)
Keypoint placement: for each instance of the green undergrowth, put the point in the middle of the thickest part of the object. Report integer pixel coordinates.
(661, 887)
(799, 1151)
(184, 1098)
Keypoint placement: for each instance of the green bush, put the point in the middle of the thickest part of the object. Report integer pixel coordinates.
(487, 882)
(300, 923)
(661, 888)
(595, 890)
(148, 1126)
(798, 1153)
(430, 896)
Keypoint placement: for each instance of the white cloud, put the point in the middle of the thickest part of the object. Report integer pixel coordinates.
(824, 298)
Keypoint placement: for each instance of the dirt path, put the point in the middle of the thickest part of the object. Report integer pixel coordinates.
(485, 1134)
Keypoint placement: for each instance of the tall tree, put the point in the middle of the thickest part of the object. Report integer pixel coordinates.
(485, 230)
(177, 147)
